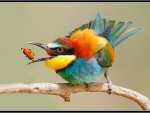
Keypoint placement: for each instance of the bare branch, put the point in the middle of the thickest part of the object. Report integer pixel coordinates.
(65, 90)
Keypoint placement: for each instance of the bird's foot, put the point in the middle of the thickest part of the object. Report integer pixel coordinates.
(110, 86)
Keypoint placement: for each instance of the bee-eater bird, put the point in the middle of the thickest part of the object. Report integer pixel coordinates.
(87, 52)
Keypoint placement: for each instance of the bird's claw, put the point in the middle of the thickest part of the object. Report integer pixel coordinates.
(110, 86)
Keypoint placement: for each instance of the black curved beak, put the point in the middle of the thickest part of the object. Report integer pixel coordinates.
(46, 48)
(41, 59)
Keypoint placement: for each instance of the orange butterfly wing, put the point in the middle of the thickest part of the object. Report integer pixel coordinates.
(28, 53)
(31, 56)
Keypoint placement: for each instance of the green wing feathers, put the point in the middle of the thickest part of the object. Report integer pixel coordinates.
(106, 56)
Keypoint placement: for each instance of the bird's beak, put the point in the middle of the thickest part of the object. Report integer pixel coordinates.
(41, 59)
(47, 49)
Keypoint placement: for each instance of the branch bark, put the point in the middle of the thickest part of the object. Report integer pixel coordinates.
(64, 90)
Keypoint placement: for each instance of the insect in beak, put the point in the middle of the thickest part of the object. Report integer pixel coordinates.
(50, 52)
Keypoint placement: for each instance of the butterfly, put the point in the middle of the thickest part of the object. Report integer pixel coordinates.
(28, 53)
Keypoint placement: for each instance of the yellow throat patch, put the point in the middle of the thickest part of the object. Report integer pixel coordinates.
(59, 62)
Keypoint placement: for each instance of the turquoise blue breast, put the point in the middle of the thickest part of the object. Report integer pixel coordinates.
(82, 71)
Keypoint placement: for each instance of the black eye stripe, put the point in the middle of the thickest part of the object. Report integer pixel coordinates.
(69, 52)
(65, 51)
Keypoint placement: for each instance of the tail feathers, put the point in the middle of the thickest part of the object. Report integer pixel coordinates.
(117, 32)
(121, 31)
(104, 20)
(117, 28)
(110, 24)
(98, 24)
(128, 34)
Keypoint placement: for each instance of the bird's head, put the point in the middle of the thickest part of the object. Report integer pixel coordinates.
(60, 51)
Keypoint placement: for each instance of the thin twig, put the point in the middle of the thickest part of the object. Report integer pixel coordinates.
(65, 90)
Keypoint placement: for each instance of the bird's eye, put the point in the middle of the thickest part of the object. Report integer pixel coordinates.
(60, 50)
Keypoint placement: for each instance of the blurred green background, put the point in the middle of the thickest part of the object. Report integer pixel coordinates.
(44, 22)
